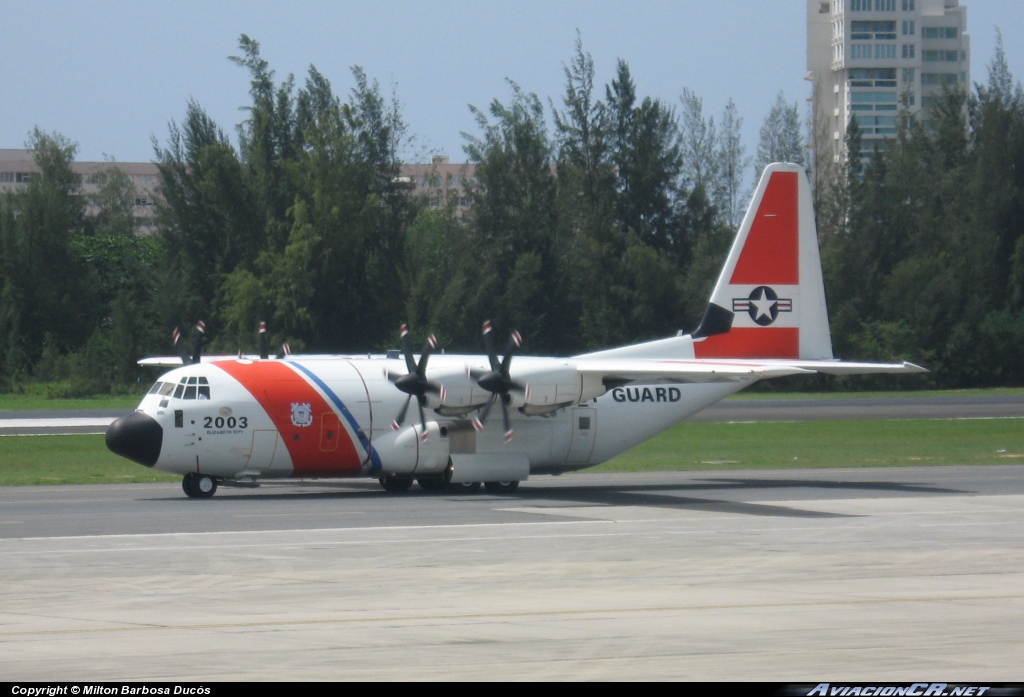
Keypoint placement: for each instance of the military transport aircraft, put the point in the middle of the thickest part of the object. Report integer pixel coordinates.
(239, 420)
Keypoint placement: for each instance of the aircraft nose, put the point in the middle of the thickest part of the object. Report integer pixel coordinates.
(137, 437)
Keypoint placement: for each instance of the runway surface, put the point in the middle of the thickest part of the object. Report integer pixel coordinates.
(900, 574)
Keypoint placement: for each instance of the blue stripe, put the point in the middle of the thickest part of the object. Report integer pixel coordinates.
(375, 464)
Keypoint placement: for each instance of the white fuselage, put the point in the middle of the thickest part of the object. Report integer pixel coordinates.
(331, 417)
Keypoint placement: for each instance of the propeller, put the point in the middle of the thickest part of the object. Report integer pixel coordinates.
(414, 383)
(497, 381)
(285, 349)
(264, 351)
(197, 343)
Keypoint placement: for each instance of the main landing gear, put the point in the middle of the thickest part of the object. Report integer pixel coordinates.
(393, 483)
(501, 487)
(199, 486)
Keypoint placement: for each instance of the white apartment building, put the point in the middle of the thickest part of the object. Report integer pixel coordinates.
(873, 58)
(441, 183)
(17, 167)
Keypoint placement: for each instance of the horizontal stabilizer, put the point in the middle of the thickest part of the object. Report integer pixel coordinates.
(697, 371)
(631, 370)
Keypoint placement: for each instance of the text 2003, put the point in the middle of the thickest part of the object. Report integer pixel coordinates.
(225, 422)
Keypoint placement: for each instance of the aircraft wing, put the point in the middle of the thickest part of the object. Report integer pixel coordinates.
(175, 361)
(836, 367)
(697, 370)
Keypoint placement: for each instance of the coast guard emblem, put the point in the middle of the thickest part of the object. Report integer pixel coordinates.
(302, 414)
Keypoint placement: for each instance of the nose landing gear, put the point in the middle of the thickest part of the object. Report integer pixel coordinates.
(199, 486)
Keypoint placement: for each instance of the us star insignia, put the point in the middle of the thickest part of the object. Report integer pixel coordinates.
(763, 305)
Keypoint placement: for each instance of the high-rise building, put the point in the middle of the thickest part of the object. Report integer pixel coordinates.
(873, 59)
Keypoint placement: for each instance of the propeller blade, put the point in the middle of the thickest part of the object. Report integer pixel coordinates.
(514, 342)
(508, 426)
(428, 347)
(479, 421)
(397, 423)
(262, 335)
(489, 345)
(410, 364)
(423, 421)
(197, 342)
(185, 358)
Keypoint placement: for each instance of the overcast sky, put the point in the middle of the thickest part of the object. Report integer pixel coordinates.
(111, 74)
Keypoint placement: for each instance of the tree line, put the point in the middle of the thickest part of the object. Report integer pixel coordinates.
(923, 243)
(605, 227)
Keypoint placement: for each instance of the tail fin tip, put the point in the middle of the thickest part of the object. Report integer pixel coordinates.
(769, 301)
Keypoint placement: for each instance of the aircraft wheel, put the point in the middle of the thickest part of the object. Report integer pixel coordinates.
(465, 488)
(394, 484)
(501, 487)
(199, 486)
(433, 485)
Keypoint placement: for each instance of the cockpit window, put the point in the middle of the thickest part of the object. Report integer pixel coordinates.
(187, 388)
(155, 388)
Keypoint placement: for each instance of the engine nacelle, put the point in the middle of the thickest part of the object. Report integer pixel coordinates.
(408, 452)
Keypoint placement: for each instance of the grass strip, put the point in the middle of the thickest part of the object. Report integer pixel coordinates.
(29, 402)
(907, 394)
(81, 459)
(84, 459)
(875, 443)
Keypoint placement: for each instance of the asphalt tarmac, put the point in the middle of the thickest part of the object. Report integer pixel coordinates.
(902, 574)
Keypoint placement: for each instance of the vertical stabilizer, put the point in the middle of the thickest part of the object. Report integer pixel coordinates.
(769, 301)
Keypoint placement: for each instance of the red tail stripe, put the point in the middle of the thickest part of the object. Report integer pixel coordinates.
(770, 255)
(751, 342)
